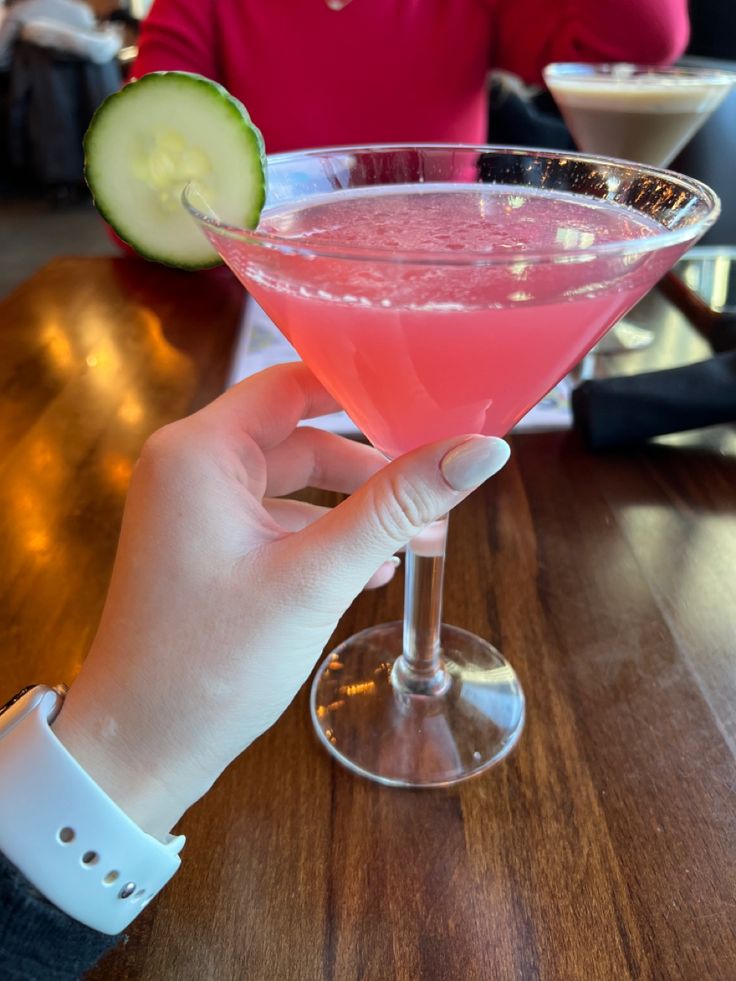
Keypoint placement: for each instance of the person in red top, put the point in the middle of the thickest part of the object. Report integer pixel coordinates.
(325, 72)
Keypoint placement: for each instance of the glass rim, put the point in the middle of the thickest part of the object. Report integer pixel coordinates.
(618, 71)
(334, 250)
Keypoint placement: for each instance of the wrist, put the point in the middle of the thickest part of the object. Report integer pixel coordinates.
(92, 737)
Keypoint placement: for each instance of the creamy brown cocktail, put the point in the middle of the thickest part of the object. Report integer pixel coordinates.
(638, 113)
(635, 112)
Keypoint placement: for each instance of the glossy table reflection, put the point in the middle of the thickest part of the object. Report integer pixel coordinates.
(604, 848)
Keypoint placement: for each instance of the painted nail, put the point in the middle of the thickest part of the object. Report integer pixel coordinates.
(473, 461)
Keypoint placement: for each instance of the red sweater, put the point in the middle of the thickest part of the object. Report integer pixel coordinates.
(392, 70)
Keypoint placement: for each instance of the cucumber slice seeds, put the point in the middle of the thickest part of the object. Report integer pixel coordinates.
(154, 136)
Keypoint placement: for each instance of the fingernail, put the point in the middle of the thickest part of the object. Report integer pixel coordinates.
(473, 461)
(396, 560)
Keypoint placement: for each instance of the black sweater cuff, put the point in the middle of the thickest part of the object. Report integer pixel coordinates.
(38, 942)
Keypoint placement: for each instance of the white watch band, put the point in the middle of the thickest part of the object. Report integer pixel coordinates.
(68, 838)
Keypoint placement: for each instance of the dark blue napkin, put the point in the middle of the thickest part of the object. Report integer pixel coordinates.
(612, 412)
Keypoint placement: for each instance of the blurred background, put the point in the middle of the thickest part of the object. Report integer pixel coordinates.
(60, 58)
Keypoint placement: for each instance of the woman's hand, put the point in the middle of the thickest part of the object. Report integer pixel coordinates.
(223, 595)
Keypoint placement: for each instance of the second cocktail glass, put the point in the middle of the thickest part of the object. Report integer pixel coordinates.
(638, 112)
(437, 291)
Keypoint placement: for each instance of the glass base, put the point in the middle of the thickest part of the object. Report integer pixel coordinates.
(624, 336)
(404, 740)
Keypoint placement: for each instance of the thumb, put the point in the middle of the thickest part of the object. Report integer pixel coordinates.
(399, 501)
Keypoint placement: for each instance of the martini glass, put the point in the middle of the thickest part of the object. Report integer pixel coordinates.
(438, 291)
(636, 112)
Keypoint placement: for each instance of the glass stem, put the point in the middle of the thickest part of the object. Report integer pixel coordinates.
(419, 670)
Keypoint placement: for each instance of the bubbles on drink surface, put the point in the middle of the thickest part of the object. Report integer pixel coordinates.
(441, 247)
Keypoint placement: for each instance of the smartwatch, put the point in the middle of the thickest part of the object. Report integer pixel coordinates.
(62, 831)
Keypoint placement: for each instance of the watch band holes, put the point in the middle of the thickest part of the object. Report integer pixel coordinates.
(111, 877)
(66, 836)
(139, 895)
(127, 890)
(90, 858)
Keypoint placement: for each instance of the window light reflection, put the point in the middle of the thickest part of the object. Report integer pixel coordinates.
(131, 410)
(57, 345)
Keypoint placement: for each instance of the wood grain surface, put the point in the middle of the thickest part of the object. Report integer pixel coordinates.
(603, 848)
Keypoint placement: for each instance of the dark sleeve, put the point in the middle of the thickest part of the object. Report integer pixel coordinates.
(37, 941)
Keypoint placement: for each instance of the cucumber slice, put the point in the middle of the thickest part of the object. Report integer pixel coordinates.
(150, 139)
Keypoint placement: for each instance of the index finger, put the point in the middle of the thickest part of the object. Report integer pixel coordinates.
(267, 406)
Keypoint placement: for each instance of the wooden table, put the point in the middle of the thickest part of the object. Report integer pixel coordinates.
(604, 848)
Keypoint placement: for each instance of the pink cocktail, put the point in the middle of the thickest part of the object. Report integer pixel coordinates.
(448, 348)
(437, 291)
